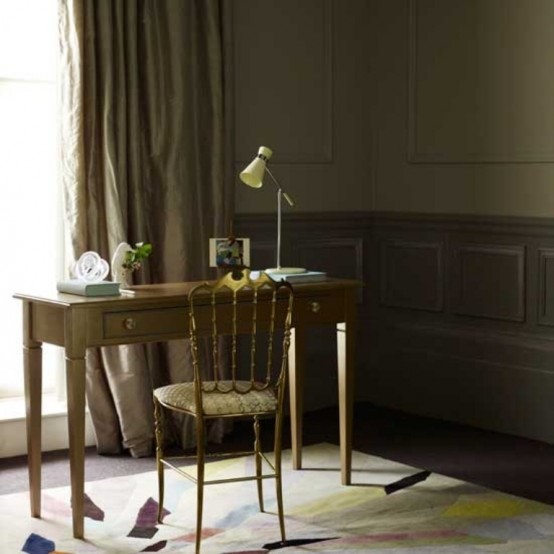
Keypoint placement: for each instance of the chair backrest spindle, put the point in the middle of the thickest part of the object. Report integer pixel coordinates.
(235, 335)
(215, 352)
(253, 337)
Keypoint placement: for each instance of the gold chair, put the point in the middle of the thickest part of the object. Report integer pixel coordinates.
(248, 314)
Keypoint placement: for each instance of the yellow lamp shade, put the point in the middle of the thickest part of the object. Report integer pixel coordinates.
(253, 174)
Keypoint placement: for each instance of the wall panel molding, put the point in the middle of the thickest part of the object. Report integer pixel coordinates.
(494, 341)
(490, 339)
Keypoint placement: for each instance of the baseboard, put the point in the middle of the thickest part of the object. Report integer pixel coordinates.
(13, 435)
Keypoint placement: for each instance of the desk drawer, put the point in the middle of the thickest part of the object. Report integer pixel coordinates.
(319, 309)
(148, 324)
(161, 324)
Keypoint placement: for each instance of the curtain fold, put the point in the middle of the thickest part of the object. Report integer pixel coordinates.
(146, 155)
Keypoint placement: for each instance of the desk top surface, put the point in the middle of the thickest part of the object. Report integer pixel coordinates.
(164, 291)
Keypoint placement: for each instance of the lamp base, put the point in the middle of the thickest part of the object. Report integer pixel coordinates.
(283, 270)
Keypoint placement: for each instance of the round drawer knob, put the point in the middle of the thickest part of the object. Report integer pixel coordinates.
(129, 323)
(315, 307)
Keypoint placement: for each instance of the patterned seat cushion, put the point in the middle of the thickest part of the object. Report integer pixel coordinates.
(181, 396)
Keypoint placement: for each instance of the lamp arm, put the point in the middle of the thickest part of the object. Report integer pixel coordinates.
(281, 191)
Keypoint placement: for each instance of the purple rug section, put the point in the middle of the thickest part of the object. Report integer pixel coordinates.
(156, 547)
(147, 520)
(92, 511)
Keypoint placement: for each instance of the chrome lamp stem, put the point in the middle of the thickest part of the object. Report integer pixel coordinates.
(280, 194)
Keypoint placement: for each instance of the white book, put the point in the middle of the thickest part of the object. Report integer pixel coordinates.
(299, 278)
(82, 288)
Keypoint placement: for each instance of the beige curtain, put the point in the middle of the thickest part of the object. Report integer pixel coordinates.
(146, 156)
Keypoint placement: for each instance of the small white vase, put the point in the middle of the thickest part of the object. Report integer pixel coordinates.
(119, 273)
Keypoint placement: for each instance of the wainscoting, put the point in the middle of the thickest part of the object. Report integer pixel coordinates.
(456, 318)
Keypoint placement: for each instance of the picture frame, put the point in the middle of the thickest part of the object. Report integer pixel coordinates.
(230, 252)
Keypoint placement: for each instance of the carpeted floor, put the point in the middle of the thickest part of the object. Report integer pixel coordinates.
(390, 509)
(515, 465)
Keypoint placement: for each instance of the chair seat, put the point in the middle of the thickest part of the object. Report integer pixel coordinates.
(224, 401)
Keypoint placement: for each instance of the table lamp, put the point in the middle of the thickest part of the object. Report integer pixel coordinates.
(253, 176)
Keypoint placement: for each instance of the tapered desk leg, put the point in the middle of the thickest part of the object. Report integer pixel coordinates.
(75, 348)
(346, 341)
(32, 369)
(296, 392)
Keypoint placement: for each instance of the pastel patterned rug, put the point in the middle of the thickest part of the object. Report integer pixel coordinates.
(391, 508)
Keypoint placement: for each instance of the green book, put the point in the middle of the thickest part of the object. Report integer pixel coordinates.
(82, 288)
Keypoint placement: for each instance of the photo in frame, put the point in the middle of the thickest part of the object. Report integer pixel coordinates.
(230, 252)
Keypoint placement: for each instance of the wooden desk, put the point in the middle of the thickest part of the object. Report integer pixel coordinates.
(159, 313)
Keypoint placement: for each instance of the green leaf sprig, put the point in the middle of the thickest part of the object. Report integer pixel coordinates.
(135, 256)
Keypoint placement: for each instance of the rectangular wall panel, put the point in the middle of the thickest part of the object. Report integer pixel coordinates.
(339, 257)
(480, 83)
(263, 255)
(283, 79)
(488, 281)
(412, 275)
(546, 287)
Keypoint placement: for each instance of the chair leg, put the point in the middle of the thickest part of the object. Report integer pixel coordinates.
(278, 480)
(258, 459)
(159, 456)
(200, 480)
